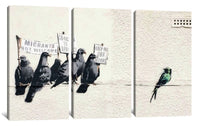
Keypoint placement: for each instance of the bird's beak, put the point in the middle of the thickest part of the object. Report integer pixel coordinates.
(84, 52)
(49, 55)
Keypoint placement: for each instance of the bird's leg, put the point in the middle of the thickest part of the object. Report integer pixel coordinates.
(76, 83)
(20, 84)
(48, 83)
(75, 80)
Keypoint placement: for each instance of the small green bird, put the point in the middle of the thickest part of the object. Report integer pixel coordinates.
(164, 78)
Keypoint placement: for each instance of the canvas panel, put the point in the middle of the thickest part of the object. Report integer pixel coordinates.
(160, 44)
(111, 95)
(41, 24)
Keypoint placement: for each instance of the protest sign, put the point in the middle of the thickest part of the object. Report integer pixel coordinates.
(37, 47)
(63, 41)
(101, 53)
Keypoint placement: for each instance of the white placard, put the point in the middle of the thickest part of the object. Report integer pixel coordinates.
(37, 47)
(63, 41)
(101, 53)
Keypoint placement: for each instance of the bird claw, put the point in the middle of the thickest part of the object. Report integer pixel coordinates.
(21, 84)
(76, 83)
(47, 83)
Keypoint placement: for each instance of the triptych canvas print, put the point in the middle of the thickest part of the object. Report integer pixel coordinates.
(92, 62)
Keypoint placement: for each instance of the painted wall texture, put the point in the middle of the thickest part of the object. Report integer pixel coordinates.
(42, 24)
(159, 45)
(111, 97)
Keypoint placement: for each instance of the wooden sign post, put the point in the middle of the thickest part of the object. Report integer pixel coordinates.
(18, 49)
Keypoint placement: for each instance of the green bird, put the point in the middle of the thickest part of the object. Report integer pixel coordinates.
(164, 78)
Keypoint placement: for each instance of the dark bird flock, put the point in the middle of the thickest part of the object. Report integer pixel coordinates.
(57, 74)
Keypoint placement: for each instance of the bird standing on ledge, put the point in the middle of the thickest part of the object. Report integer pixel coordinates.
(41, 76)
(78, 65)
(63, 74)
(23, 75)
(54, 70)
(90, 74)
(164, 78)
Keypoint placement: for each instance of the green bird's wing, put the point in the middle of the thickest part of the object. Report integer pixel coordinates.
(165, 77)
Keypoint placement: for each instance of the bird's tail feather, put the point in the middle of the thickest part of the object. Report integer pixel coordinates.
(31, 93)
(82, 88)
(58, 81)
(154, 94)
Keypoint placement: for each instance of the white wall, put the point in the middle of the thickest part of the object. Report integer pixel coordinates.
(113, 29)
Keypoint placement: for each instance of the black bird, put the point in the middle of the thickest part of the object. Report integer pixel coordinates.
(164, 78)
(63, 74)
(78, 64)
(23, 75)
(41, 77)
(90, 74)
(54, 70)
